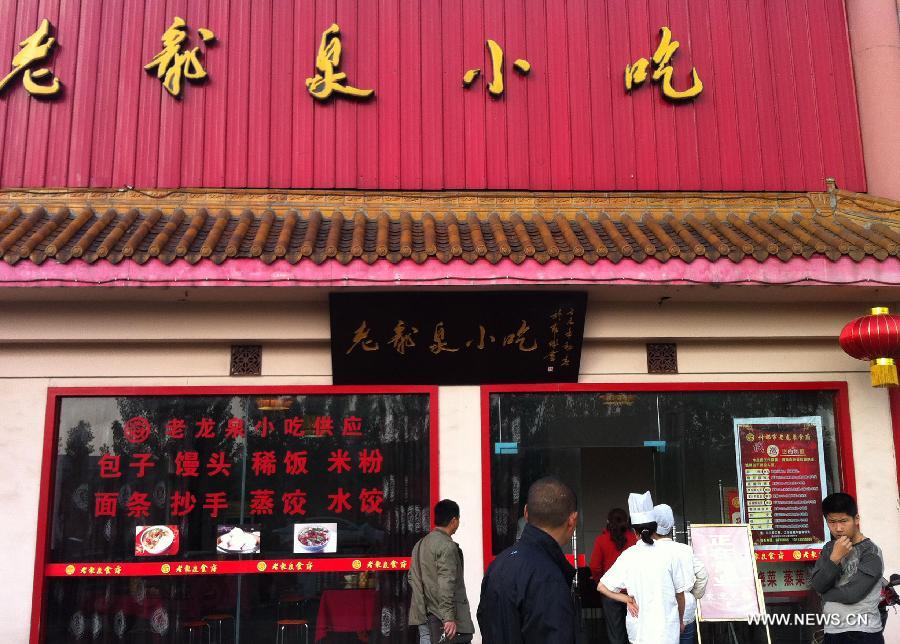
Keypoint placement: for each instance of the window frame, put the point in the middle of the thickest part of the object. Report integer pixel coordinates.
(48, 459)
(843, 434)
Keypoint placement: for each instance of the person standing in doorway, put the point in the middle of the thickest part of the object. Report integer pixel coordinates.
(847, 575)
(665, 523)
(608, 546)
(439, 604)
(649, 581)
(526, 593)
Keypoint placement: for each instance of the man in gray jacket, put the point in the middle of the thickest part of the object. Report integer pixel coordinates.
(847, 575)
(436, 578)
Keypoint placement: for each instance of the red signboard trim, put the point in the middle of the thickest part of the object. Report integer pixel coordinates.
(487, 540)
(788, 555)
(844, 439)
(792, 594)
(226, 567)
(48, 466)
(435, 450)
(841, 410)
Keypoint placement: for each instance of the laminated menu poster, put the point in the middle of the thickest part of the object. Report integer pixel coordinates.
(781, 476)
(733, 592)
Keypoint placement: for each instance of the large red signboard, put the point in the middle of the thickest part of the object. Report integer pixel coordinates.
(777, 110)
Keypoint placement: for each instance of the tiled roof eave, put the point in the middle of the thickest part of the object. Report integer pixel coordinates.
(536, 229)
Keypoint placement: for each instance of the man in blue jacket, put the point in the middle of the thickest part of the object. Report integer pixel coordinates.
(525, 595)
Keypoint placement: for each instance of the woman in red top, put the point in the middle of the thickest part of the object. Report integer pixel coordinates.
(607, 548)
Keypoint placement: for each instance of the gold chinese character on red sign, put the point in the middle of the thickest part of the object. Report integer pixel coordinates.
(496, 86)
(33, 49)
(329, 80)
(636, 74)
(173, 63)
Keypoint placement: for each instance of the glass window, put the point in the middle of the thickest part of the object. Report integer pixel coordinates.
(680, 445)
(242, 510)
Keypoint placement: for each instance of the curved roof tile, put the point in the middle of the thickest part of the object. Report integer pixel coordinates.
(391, 227)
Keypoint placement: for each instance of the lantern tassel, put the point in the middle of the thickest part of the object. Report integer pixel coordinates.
(884, 373)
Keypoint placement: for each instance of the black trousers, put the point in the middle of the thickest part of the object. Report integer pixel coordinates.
(853, 637)
(614, 615)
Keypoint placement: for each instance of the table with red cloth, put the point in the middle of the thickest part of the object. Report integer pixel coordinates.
(346, 611)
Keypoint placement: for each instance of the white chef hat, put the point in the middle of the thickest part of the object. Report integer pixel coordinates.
(640, 507)
(665, 520)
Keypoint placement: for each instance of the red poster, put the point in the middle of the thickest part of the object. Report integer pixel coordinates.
(731, 505)
(732, 592)
(781, 474)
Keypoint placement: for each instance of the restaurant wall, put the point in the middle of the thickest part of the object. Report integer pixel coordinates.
(778, 110)
(145, 344)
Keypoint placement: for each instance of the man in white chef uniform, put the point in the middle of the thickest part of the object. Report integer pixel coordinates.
(665, 521)
(649, 580)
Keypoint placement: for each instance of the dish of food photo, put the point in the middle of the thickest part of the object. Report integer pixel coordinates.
(156, 539)
(238, 541)
(314, 538)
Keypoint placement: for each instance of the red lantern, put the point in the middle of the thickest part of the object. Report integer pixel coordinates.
(875, 338)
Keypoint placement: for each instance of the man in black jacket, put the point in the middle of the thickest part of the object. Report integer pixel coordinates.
(525, 595)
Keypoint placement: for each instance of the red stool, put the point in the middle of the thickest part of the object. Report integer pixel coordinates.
(284, 627)
(196, 628)
(216, 622)
(291, 600)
